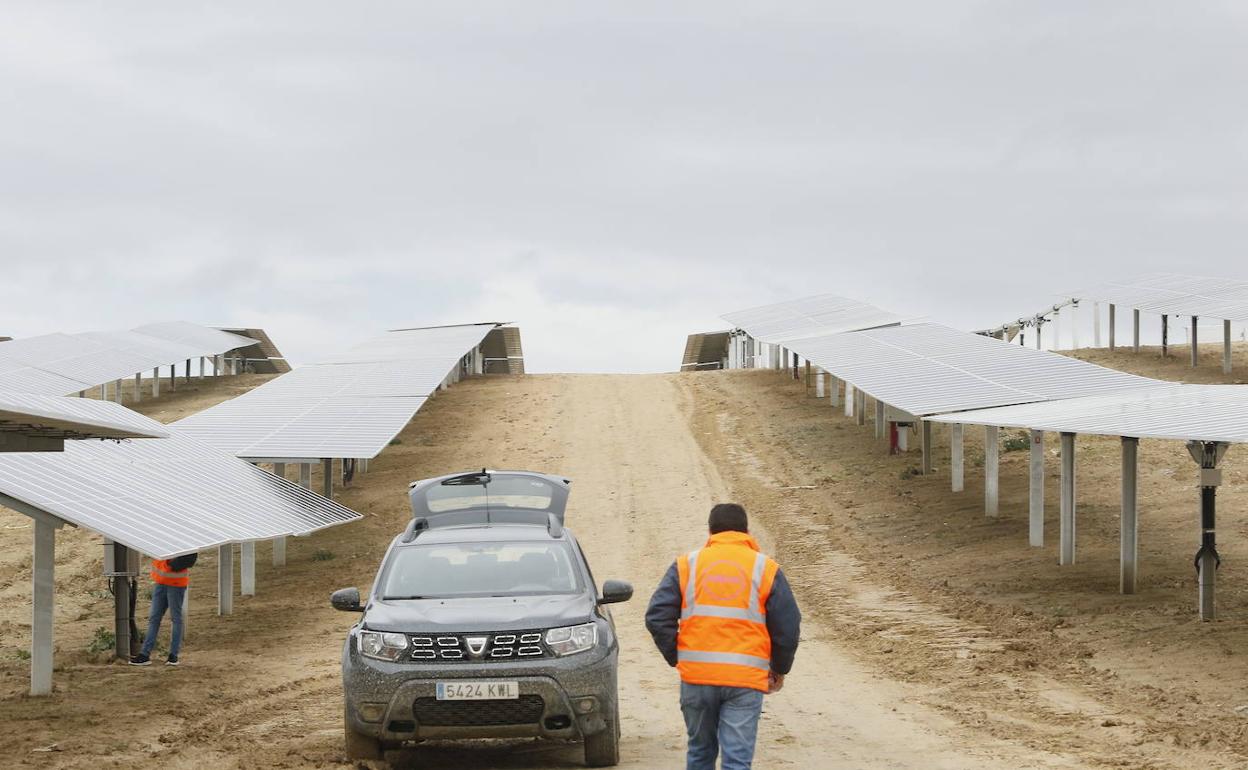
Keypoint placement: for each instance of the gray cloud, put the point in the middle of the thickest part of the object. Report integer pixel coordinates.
(618, 172)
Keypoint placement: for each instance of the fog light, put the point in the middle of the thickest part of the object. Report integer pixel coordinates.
(372, 712)
(585, 705)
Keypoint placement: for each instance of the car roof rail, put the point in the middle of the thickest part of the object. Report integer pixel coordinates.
(554, 526)
(414, 528)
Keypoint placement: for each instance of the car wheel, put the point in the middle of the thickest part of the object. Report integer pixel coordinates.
(603, 749)
(360, 746)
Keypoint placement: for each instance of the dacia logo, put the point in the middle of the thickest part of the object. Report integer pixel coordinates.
(476, 645)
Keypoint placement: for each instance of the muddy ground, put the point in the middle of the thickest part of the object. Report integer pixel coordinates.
(934, 637)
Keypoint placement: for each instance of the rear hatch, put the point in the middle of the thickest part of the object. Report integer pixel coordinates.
(490, 497)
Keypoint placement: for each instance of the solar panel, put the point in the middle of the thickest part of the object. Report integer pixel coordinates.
(927, 369)
(351, 405)
(1169, 411)
(165, 497)
(810, 317)
(1175, 294)
(75, 418)
(61, 364)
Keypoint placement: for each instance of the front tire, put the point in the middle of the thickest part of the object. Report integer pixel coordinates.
(603, 749)
(360, 746)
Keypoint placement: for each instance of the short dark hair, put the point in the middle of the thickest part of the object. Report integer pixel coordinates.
(728, 517)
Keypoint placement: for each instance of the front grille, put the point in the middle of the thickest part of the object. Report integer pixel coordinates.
(525, 710)
(452, 647)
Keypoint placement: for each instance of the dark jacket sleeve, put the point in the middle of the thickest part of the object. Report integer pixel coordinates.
(663, 615)
(784, 624)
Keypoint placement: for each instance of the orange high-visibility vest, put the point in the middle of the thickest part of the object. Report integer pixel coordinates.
(723, 637)
(161, 573)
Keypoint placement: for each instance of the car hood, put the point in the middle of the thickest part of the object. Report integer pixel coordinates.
(510, 613)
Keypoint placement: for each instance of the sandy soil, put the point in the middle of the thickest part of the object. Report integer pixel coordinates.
(934, 637)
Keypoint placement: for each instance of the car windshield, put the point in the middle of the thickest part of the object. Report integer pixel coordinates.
(480, 569)
(502, 492)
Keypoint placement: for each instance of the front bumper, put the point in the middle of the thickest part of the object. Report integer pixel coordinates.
(553, 696)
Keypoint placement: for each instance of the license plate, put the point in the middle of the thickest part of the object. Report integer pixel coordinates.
(478, 690)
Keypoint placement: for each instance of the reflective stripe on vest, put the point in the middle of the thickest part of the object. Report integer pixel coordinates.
(162, 574)
(731, 658)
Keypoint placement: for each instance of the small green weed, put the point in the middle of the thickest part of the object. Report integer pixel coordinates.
(1016, 443)
(102, 641)
(322, 554)
(23, 653)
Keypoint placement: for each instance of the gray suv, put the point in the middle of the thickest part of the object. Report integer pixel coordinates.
(484, 621)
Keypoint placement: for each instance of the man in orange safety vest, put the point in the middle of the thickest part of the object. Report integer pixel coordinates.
(170, 578)
(725, 617)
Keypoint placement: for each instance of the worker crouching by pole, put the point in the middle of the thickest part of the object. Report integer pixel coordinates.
(170, 579)
(725, 617)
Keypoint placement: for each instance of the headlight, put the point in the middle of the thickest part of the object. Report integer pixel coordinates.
(572, 639)
(383, 646)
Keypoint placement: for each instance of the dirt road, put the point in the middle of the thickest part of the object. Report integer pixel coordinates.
(648, 455)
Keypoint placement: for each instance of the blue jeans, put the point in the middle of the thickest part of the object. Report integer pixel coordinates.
(164, 597)
(720, 719)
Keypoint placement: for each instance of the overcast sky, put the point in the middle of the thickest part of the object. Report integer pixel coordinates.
(610, 176)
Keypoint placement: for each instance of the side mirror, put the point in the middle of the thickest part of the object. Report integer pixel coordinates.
(614, 591)
(346, 599)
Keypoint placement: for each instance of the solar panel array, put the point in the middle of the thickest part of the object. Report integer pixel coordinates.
(1174, 294)
(164, 497)
(810, 317)
(349, 405)
(62, 364)
(1177, 411)
(75, 418)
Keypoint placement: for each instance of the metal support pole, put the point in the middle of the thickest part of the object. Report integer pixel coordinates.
(138, 388)
(991, 470)
(305, 475)
(819, 384)
(1165, 335)
(1096, 325)
(1208, 454)
(955, 456)
(806, 382)
(1226, 347)
(156, 382)
(1035, 528)
(1039, 326)
(122, 609)
(202, 366)
(225, 579)
(925, 441)
(188, 371)
(1074, 326)
(1135, 330)
(1195, 357)
(1067, 547)
(279, 543)
(796, 363)
(327, 480)
(834, 391)
(1129, 547)
(860, 408)
(117, 391)
(248, 568)
(43, 587)
(851, 397)
(903, 436)
(1112, 326)
(881, 430)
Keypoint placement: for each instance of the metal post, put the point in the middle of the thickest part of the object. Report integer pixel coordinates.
(1135, 330)
(850, 398)
(43, 587)
(188, 371)
(796, 363)
(1039, 325)
(173, 377)
(305, 476)
(903, 436)
(991, 470)
(156, 382)
(955, 459)
(819, 387)
(834, 391)
(248, 568)
(117, 385)
(279, 543)
(202, 366)
(1057, 330)
(1067, 547)
(104, 391)
(1112, 326)
(1226, 347)
(138, 388)
(327, 481)
(860, 408)
(1165, 335)
(806, 382)
(1129, 546)
(925, 442)
(218, 367)
(881, 431)
(1208, 454)
(1195, 357)
(1035, 528)
(1074, 326)
(225, 579)
(121, 601)
(1096, 325)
